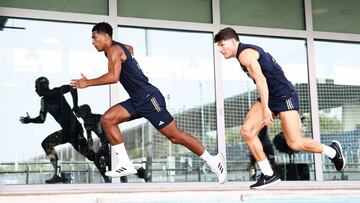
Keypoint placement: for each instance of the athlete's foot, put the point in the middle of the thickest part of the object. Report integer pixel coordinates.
(264, 181)
(122, 170)
(339, 159)
(143, 174)
(218, 166)
(100, 164)
(56, 179)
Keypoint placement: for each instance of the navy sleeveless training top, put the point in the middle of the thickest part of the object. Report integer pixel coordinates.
(133, 79)
(279, 86)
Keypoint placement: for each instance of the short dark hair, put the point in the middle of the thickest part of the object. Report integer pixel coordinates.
(225, 34)
(103, 27)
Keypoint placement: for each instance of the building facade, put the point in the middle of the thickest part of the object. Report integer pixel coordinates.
(315, 41)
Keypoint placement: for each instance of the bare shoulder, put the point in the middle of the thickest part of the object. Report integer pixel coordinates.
(248, 55)
(116, 52)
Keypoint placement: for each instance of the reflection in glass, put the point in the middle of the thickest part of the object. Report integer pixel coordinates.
(54, 102)
(60, 52)
(338, 85)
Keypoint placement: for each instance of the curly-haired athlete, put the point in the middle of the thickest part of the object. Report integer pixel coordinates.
(145, 101)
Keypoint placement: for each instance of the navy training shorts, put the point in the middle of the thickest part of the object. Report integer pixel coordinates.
(154, 110)
(287, 103)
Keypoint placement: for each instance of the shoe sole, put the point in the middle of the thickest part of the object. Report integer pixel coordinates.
(225, 167)
(342, 155)
(266, 185)
(118, 175)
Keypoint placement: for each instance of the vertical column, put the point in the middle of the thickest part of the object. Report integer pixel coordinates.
(114, 92)
(313, 87)
(220, 120)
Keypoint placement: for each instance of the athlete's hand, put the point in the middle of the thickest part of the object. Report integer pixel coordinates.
(267, 116)
(79, 83)
(26, 119)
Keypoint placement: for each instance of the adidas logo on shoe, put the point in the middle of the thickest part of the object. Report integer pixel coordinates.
(121, 171)
(220, 167)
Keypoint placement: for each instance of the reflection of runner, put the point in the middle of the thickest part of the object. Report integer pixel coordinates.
(92, 124)
(277, 97)
(54, 102)
(145, 101)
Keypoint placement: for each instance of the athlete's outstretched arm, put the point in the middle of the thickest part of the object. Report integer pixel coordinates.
(74, 95)
(39, 119)
(112, 76)
(65, 89)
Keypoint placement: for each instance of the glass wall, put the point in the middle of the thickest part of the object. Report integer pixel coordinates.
(336, 16)
(59, 52)
(178, 10)
(263, 13)
(181, 65)
(239, 95)
(339, 103)
(76, 6)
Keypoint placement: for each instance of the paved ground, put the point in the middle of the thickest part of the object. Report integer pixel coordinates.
(309, 191)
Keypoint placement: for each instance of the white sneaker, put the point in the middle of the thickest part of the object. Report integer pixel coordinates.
(120, 171)
(218, 166)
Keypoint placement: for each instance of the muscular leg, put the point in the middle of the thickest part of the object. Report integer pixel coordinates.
(177, 136)
(79, 142)
(216, 163)
(251, 127)
(291, 126)
(110, 121)
(48, 145)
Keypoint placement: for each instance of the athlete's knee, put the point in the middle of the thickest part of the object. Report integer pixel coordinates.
(177, 136)
(295, 145)
(106, 119)
(46, 146)
(247, 132)
(175, 139)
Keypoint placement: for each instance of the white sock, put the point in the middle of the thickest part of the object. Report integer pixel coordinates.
(328, 151)
(121, 154)
(209, 159)
(206, 157)
(265, 167)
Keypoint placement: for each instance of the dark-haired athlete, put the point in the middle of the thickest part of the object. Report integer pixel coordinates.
(277, 97)
(54, 102)
(145, 101)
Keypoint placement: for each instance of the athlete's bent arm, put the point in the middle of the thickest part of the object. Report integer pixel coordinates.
(130, 48)
(249, 58)
(39, 119)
